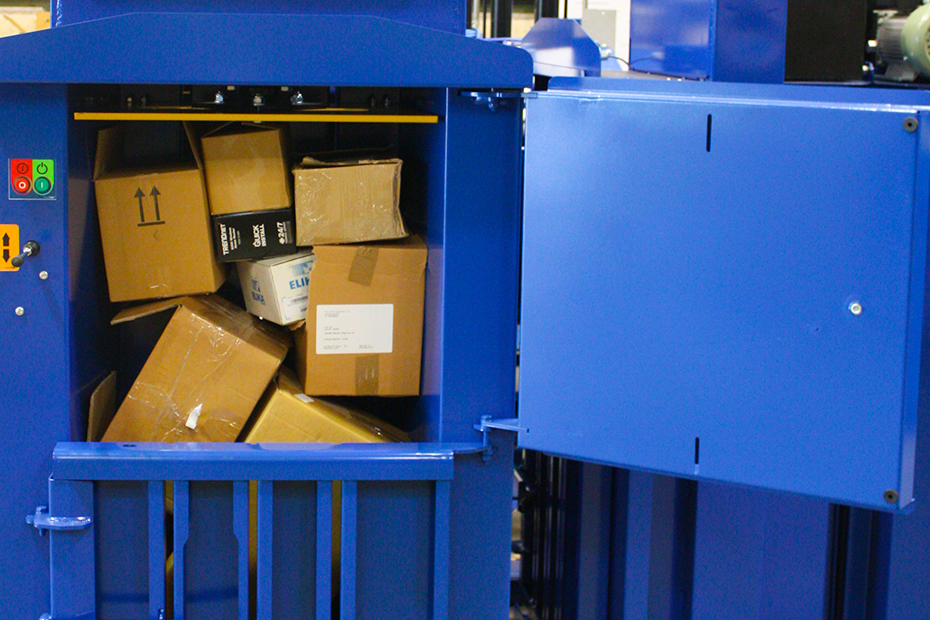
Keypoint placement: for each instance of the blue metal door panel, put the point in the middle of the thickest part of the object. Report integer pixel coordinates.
(690, 270)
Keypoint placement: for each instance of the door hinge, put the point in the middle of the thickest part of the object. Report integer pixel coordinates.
(488, 424)
(492, 98)
(43, 521)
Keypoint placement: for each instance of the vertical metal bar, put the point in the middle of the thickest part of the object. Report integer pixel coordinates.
(633, 589)
(265, 537)
(324, 549)
(181, 532)
(73, 587)
(501, 17)
(241, 531)
(347, 572)
(441, 512)
(156, 548)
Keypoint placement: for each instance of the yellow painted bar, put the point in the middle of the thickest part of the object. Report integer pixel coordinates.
(318, 116)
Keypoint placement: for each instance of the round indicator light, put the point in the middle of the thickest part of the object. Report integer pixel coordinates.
(22, 185)
(22, 168)
(42, 186)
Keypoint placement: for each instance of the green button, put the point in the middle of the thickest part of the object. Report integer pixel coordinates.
(42, 186)
(43, 168)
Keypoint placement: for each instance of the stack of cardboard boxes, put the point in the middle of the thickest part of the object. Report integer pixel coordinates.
(332, 261)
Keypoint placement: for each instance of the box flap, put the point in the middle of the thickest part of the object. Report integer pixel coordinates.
(109, 144)
(102, 408)
(193, 131)
(309, 163)
(287, 258)
(407, 255)
(138, 312)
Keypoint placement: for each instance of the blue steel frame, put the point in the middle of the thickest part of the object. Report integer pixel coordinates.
(77, 467)
(468, 172)
(719, 40)
(445, 15)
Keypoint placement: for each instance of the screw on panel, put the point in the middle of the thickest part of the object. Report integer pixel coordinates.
(910, 124)
(891, 496)
(856, 308)
(43, 275)
(20, 311)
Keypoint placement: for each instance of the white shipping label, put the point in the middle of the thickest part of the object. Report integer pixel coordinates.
(354, 328)
(294, 308)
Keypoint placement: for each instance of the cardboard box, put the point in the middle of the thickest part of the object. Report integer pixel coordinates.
(276, 289)
(347, 202)
(209, 368)
(286, 414)
(258, 234)
(364, 329)
(154, 225)
(246, 168)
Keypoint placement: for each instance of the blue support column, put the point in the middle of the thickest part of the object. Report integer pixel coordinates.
(73, 592)
(759, 555)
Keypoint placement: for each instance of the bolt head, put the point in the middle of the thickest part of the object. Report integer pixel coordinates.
(20, 311)
(856, 308)
(910, 124)
(43, 275)
(891, 496)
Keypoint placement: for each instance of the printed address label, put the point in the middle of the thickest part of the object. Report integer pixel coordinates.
(354, 328)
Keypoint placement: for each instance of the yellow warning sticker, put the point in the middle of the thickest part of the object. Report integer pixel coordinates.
(9, 246)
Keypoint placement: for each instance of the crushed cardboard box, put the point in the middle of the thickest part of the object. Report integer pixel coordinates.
(364, 330)
(246, 168)
(202, 381)
(347, 201)
(276, 289)
(286, 414)
(249, 190)
(154, 225)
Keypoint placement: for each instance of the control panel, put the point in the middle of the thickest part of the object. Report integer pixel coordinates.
(32, 179)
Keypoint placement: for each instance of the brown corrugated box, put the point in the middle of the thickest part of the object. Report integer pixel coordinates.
(154, 225)
(202, 381)
(286, 414)
(347, 201)
(246, 168)
(364, 329)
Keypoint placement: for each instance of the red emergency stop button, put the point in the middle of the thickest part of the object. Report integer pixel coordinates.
(22, 185)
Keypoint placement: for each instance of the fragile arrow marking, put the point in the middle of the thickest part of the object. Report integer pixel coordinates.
(140, 195)
(155, 194)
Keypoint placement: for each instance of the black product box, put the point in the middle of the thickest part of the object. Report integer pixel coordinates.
(254, 235)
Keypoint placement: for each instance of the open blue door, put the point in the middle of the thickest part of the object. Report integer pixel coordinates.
(726, 282)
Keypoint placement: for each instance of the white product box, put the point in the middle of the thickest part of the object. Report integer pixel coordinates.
(276, 289)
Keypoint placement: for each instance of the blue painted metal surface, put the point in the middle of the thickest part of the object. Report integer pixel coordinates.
(38, 412)
(471, 309)
(371, 52)
(272, 461)
(42, 521)
(759, 555)
(903, 563)
(720, 40)
(720, 266)
(210, 521)
(443, 15)
(562, 47)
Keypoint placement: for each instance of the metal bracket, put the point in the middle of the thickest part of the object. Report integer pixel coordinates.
(488, 424)
(492, 98)
(42, 521)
